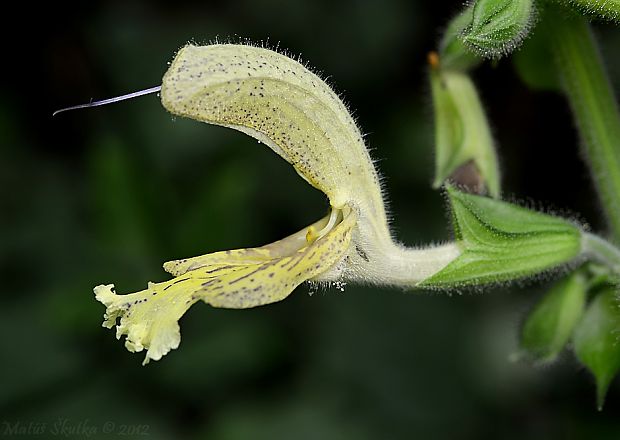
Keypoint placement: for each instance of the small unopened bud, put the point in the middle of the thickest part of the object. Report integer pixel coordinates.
(596, 340)
(498, 26)
(550, 325)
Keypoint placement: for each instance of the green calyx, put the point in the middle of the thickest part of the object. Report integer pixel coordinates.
(464, 147)
(501, 241)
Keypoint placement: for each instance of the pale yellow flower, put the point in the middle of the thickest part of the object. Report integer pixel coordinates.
(282, 104)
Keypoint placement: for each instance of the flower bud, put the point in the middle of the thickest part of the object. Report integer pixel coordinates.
(596, 340)
(550, 325)
(498, 26)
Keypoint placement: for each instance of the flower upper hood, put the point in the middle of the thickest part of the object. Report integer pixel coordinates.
(279, 102)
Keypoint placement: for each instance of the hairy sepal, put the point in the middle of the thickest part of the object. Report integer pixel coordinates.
(501, 241)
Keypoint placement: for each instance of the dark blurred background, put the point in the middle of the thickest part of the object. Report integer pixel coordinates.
(106, 195)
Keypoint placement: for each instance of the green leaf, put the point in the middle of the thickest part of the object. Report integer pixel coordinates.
(498, 26)
(531, 61)
(550, 326)
(597, 343)
(502, 241)
(453, 54)
(464, 147)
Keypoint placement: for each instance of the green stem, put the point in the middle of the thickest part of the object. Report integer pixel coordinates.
(594, 107)
(602, 251)
(605, 9)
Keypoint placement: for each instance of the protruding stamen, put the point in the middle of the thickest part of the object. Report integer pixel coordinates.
(155, 89)
(333, 216)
